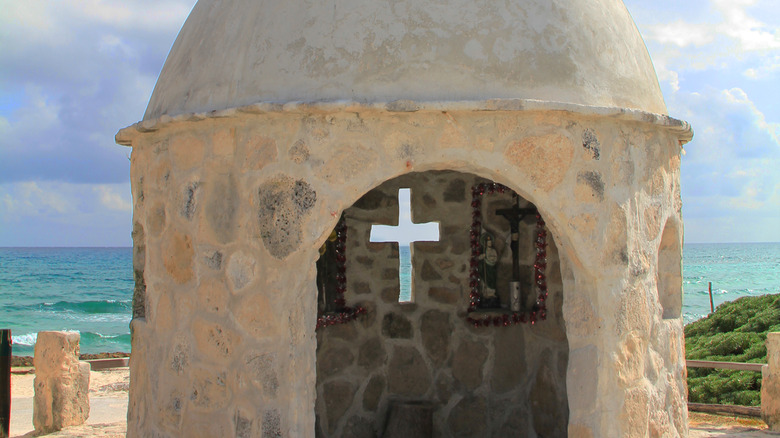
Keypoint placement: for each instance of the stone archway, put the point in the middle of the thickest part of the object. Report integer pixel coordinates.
(509, 381)
(231, 208)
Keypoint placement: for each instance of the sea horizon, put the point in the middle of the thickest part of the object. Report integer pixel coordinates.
(130, 246)
(89, 288)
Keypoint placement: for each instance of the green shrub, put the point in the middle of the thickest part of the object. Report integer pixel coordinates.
(736, 332)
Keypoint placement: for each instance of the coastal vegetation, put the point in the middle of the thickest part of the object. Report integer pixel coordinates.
(736, 332)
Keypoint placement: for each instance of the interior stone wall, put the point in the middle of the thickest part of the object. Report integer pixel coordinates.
(486, 381)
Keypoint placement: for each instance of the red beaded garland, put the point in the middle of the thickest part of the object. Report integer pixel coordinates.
(345, 314)
(540, 308)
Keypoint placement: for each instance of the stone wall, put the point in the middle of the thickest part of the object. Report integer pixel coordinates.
(494, 381)
(230, 209)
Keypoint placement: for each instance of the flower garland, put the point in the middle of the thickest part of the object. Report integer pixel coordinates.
(539, 311)
(345, 314)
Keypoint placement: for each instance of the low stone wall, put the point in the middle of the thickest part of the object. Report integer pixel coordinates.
(486, 381)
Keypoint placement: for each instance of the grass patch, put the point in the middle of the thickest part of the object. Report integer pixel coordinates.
(736, 332)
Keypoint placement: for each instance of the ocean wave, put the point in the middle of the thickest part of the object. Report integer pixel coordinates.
(88, 307)
(93, 337)
(28, 339)
(90, 342)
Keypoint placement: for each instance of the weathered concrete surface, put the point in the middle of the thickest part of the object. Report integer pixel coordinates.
(61, 382)
(585, 52)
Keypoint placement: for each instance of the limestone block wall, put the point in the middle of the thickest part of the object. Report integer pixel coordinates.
(231, 207)
(495, 381)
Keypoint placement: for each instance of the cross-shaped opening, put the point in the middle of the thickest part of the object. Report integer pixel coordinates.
(405, 233)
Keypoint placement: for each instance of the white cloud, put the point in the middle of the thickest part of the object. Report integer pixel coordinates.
(731, 172)
(58, 22)
(156, 15)
(681, 33)
(29, 198)
(77, 71)
(739, 98)
(80, 70)
(111, 199)
(722, 37)
(751, 33)
(64, 214)
(768, 66)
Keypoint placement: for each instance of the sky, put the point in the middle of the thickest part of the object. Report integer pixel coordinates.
(74, 72)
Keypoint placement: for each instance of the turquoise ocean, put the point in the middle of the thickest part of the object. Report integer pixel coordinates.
(90, 290)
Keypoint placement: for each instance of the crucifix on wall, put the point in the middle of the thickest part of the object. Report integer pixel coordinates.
(404, 234)
(514, 215)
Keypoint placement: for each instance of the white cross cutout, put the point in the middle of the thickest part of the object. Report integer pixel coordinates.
(405, 233)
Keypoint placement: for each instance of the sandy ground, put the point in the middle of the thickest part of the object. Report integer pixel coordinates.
(107, 405)
(708, 425)
(108, 411)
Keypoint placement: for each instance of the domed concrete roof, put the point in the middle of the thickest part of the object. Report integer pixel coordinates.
(240, 52)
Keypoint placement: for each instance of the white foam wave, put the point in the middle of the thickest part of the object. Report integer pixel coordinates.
(28, 339)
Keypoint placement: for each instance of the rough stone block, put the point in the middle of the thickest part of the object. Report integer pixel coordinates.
(214, 339)
(455, 191)
(390, 294)
(436, 329)
(372, 354)
(373, 392)
(550, 416)
(222, 207)
(209, 389)
(409, 420)
(468, 417)
(272, 424)
(554, 150)
(177, 254)
(359, 427)
(334, 361)
(443, 295)
(282, 204)
(468, 362)
(429, 272)
(241, 270)
(509, 367)
(396, 326)
(338, 397)
(261, 371)
(407, 374)
(61, 382)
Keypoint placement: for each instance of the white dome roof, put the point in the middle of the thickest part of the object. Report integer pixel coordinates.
(233, 53)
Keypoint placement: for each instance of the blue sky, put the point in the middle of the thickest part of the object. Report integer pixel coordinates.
(73, 72)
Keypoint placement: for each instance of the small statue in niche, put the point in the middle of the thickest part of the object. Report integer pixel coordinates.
(327, 268)
(488, 271)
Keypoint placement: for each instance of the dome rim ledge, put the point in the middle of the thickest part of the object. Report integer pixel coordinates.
(680, 127)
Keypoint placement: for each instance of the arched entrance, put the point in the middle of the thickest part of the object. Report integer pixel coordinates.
(505, 379)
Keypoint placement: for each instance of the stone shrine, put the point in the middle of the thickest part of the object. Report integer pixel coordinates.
(533, 133)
